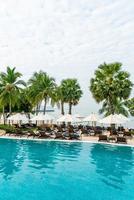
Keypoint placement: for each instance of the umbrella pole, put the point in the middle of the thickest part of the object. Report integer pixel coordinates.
(112, 127)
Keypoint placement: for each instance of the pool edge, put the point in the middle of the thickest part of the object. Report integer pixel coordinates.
(59, 140)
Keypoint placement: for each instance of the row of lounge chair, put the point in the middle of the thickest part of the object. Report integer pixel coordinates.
(118, 139)
(45, 135)
(70, 132)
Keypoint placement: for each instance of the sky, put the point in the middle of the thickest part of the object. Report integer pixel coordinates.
(67, 39)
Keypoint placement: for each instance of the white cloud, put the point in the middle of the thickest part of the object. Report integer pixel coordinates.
(66, 38)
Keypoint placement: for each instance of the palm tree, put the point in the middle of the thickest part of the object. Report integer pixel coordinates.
(130, 105)
(11, 86)
(57, 99)
(41, 87)
(23, 104)
(119, 108)
(62, 97)
(71, 92)
(110, 85)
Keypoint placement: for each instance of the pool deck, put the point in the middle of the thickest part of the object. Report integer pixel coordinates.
(87, 139)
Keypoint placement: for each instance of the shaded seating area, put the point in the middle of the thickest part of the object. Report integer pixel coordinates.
(112, 139)
(70, 132)
(116, 136)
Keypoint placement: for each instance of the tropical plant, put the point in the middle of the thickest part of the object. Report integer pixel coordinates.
(41, 87)
(119, 107)
(10, 88)
(130, 105)
(57, 99)
(62, 97)
(23, 104)
(110, 86)
(71, 92)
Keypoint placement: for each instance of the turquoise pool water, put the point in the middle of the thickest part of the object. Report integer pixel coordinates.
(31, 170)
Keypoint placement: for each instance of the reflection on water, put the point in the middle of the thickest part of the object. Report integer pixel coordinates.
(113, 163)
(11, 158)
(58, 169)
(40, 156)
(47, 155)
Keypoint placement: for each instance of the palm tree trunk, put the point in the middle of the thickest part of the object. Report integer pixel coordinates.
(62, 108)
(112, 112)
(37, 108)
(70, 108)
(111, 105)
(45, 104)
(4, 115)
(10, 106)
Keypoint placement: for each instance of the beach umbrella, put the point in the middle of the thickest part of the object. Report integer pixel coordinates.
(31, 116)
(91, 118)
(43, 117)
(18, 117)
(1, 119)
(112, 119)
(122, 117)
(68, 118)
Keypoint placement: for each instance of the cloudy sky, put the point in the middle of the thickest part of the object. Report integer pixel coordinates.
(67, 38)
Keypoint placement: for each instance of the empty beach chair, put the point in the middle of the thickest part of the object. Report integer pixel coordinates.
(112, 139)
(74, 136)
(103, 138)
(30, 134)
(128, 134)
(59, 135)
(122, 140)
(44, 134)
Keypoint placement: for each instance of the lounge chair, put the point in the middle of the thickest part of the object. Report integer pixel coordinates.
(30, 134)
(112, 139)
(74, 136)
(44, 134)
(128, 134)
(86, 132)
(92, 132)
(103, 138)
(121, 140)
(59, 135)
(18, 133)
(65, 135)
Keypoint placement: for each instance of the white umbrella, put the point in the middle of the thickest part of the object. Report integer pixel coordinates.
(122, 117)
(112, 119)
(68, 118)
(91, 118)
(31, 115)
(42, 117)
(18, 117)
(1, 119)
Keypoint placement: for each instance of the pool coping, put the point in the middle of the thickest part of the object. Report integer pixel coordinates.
(61, 140)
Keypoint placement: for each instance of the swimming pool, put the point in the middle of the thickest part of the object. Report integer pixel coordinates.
(50, 170)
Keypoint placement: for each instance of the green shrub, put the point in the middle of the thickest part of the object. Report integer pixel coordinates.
(132, 132)
(11, 129)
(7, 128)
